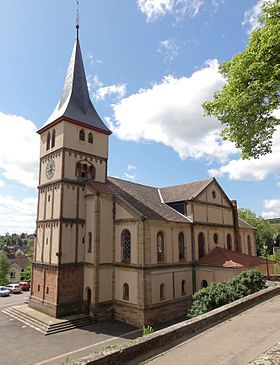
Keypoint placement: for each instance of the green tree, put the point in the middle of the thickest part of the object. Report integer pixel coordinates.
(26, 274)
(246, 103)
(264, 229)
(4, 268)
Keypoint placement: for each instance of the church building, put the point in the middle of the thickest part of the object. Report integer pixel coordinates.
(114, 248)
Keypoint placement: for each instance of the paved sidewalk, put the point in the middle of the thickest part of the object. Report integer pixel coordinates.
(270, 357)
(236, 341)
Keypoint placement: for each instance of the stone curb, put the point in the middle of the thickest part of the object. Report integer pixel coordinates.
(148, 344)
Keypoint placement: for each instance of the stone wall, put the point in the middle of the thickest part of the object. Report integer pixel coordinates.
(145, 347)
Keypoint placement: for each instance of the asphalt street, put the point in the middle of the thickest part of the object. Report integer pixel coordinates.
(21, 344)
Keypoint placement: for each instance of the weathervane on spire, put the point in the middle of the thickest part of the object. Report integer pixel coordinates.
(78, 17)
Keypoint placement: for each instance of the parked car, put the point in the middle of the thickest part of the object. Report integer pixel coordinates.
(14, 288)
(4, 292)
(24, 285)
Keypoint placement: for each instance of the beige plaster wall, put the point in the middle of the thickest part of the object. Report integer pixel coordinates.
(68, 243)
(215, 215)
(132, 227)
(220, 199)
(99, 147)
(106, 229)
(58, 140)
(162, 278)
(90, 204)
(69, 201)
(39, 243)
(179, 276)
(55, 243)
(81, 242)
(130, 277)
(105, 284)
(122, 212)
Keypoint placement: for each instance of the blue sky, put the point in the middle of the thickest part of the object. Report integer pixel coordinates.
(150, 64)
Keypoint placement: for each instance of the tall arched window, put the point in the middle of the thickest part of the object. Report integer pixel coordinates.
(160, 246)
(183, 287)
(89, 242)
(126, 245)
(161, 292)
(53, 138)
(201, 245)
(249, 245)
(82, 135)
(125, 291)
(181, 243)
(90, 138)
(48, 141)
(229, 241)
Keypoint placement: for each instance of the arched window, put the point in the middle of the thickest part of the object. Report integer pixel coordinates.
(229, 241)
(161, 292)
(201, 245)
(92, 172)
(183, 287)
(90, 138)
(181, 242)
(89, 242)
(53, 138)
(48, 141)
(82, 135)
(204, 284)
(249, 245)
(216, 238)
(160, 246)
(82, 170)
(125, 291)
(126, 245)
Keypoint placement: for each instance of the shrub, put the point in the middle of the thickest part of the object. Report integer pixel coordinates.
(147, 330)
(218, 294)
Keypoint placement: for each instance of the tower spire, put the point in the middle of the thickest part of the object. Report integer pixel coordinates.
(78, 18)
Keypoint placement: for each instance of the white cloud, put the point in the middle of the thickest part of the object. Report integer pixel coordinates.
(16, 215)
(117, 91)
(170, 112)
(273, 207)
(154, 9)
(19, 149)
(169, 48)
(253, 169)
(2, 184)
(130, 173)
(131, 167)
(252, 15)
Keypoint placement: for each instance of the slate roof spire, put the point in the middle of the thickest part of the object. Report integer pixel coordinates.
(75, 103)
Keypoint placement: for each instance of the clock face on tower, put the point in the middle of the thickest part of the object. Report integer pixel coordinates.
(50, 168)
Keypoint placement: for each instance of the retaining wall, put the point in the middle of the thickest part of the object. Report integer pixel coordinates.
(142, 346)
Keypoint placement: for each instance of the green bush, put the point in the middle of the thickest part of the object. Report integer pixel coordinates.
(218, 294)
(147, 330)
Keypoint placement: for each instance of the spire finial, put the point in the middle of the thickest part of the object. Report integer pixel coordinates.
(78, 18)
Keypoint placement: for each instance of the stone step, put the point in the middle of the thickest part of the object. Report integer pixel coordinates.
(47, 328)
(31, 322)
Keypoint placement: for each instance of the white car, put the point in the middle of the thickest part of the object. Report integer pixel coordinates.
(4, 292)
(14, 288)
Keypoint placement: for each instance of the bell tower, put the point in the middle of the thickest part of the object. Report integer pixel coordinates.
(73, 149)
